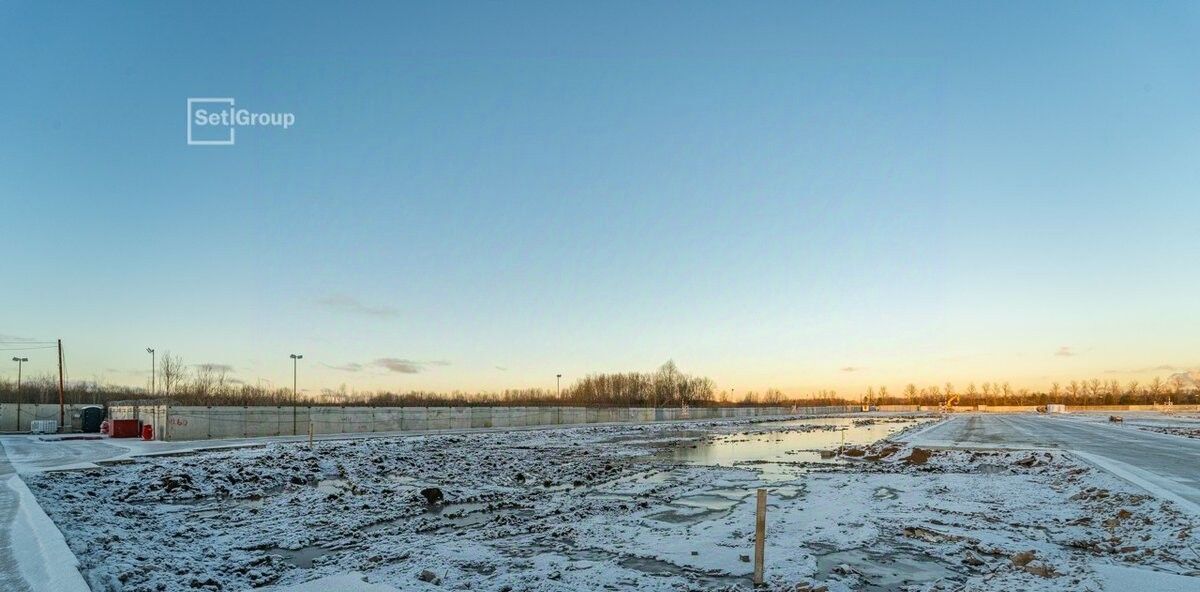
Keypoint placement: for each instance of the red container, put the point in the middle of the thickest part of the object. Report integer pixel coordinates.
(147, 432)
(125, 428)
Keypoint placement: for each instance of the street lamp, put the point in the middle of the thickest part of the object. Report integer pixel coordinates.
(295, 358)
(153, 369)
(19, 361)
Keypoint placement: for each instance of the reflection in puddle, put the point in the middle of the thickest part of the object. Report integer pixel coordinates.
(775, 454)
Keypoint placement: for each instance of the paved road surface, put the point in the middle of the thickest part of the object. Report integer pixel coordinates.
(10, 577)
(1168, 466)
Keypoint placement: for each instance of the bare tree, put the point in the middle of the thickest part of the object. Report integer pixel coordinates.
(1176, 386)
(910, 392)
(172, 371)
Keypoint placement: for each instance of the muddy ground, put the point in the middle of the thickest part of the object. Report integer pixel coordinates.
(613, 508)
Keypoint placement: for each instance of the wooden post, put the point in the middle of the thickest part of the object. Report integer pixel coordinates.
(760, 536)
(310, 433)
(61, 399)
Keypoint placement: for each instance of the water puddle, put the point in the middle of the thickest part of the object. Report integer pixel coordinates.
(886, 493)
(782, 454)
(698, 579)
(302, 557)
(708, 502)
(880, 572)
(332, 486)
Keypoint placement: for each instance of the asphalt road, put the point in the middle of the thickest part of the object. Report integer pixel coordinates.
(1166, 465)
(10, 576)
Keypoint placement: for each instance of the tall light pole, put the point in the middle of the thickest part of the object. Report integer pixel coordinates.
(153, 369)
(558, 386)
(295, 358)
(19, 361)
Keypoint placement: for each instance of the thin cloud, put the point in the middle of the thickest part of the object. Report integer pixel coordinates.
(1159, 368)
(399, 365)
(215, 367)
(17, 338)
(851, 369)
(349, 304)
(502, 368)
(350, 367)
(1065, 352)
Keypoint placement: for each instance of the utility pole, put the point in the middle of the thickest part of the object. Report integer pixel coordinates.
(153, 370)
(558, 387)
(19, 361)
(295, 358)
(62, 408)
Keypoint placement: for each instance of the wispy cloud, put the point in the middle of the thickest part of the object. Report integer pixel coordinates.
(502, 368)
(399, 365)
(351, 305)
(16, 338)
(1159, 368)
(350, 367)
(215, 367)
(851, 369)
(1065, 352)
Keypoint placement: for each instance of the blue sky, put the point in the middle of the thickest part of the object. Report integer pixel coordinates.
(482, 195)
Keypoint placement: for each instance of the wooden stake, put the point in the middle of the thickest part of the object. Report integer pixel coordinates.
(760, 536)
(62, 415)
(310, 434)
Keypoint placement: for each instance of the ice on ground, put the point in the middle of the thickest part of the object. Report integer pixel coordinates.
(613, 507)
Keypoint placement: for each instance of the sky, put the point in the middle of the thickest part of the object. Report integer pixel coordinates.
(479, 196)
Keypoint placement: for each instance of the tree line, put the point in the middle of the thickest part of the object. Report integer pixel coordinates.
(209, 384)
(666, 386)
(1076, 392)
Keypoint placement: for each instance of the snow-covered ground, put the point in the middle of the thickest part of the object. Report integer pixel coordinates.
(662, 507)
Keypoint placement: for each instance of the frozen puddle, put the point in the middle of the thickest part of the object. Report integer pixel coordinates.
(881, 572)
(778, 454)
(302, 557)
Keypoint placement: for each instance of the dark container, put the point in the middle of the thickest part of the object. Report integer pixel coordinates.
(90, 418)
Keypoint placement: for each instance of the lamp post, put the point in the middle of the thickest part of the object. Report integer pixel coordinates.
(19, 361)
(153, 369)
(295, 358)
(558, 386)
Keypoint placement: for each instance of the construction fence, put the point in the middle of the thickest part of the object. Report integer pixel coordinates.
(16, 417)
(176, 422)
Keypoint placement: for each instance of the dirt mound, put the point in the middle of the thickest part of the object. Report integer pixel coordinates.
(919, 456)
